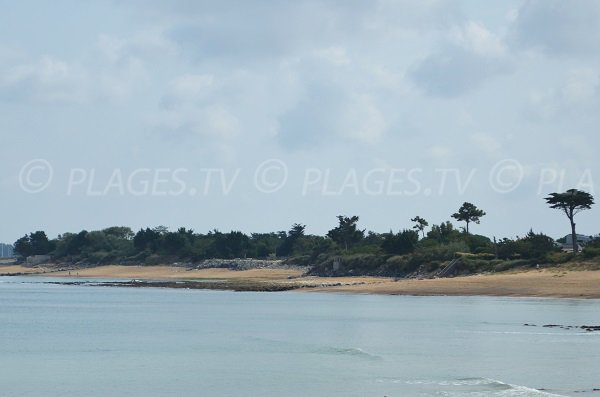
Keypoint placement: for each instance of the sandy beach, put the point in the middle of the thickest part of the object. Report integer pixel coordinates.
(554, 282)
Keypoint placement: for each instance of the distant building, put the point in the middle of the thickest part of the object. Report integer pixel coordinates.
(6, 251)
(581, 239)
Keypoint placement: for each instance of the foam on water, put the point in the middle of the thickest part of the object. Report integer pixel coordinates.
(472, 387)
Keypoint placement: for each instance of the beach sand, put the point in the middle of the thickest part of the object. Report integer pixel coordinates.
(534, 283)
(18, 269)
(553, 282)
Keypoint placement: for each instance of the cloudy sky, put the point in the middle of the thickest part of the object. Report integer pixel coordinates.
(253, 115)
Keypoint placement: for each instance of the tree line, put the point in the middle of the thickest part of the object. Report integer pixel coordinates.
(366, 252)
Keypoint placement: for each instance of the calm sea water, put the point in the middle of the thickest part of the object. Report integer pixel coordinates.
(58, 340)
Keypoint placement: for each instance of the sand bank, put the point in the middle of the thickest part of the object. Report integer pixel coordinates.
(554, 282)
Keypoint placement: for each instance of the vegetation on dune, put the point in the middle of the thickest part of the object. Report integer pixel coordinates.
(344, 250)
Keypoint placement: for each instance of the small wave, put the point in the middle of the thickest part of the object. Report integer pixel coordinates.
(476, 387)
(292, 347)
(531, 333)
(349, 351)
(461, 382)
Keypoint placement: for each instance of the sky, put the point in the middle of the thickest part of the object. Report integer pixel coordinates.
(254, 115)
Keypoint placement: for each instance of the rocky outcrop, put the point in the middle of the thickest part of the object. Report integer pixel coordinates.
(243, 264)
(35, 260)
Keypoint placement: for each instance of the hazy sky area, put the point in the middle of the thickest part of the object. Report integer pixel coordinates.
(253, 115)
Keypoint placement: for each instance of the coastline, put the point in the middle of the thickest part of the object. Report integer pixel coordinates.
(552, 283)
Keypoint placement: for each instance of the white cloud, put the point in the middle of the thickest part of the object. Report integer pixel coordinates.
(335, 55)
(339, 101)
(471, 56)
(51, 79)
(558, 28)
(141, 46)
(488, 144)
(46, 80)
(578, 93)
(581, 85)
(191, 87)
(363, 120)
(476, 38)
(440, 153)
(188, 120)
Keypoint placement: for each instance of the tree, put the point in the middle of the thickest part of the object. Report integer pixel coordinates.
(291, 238)
(36, 243)
(571, 202)
(264, 244)
(444, 233)
(40, 243)
(23, 246)
(468, 213)
(537, 245)
(534, 246)
(176, 242)
(420, 224)
(77, 243)
(346, 233)
(296, 231)
(236, 244)
(402, 243)
(120, 232)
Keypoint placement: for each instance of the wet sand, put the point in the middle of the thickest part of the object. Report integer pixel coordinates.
(554, 282)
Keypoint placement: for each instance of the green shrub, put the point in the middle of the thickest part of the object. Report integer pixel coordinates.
(479, 244)
(475, 265)
(362, 264)
(559, 257)
(444, 252)
(591, 252)
(154, 259)
(303, 260)
(399, 265)
(508, 265)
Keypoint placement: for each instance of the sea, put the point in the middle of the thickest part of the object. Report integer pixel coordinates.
(91, 340)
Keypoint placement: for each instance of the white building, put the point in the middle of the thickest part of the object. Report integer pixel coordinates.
(6, 251)
(581, 239)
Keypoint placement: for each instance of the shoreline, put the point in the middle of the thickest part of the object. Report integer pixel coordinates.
(550, 283)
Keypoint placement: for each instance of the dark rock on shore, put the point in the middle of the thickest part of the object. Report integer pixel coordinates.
(588, 328)
(234, 285)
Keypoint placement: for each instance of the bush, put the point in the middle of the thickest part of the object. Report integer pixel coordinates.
(559, 257)
(444, 252)
(304, 260)
(362, 264)
(591, 252)
(401, 243)
(101, 257)
(475, 265)
(533, 246)
(508, 265)
(399, 265)
(154, 259)
(479, 244)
